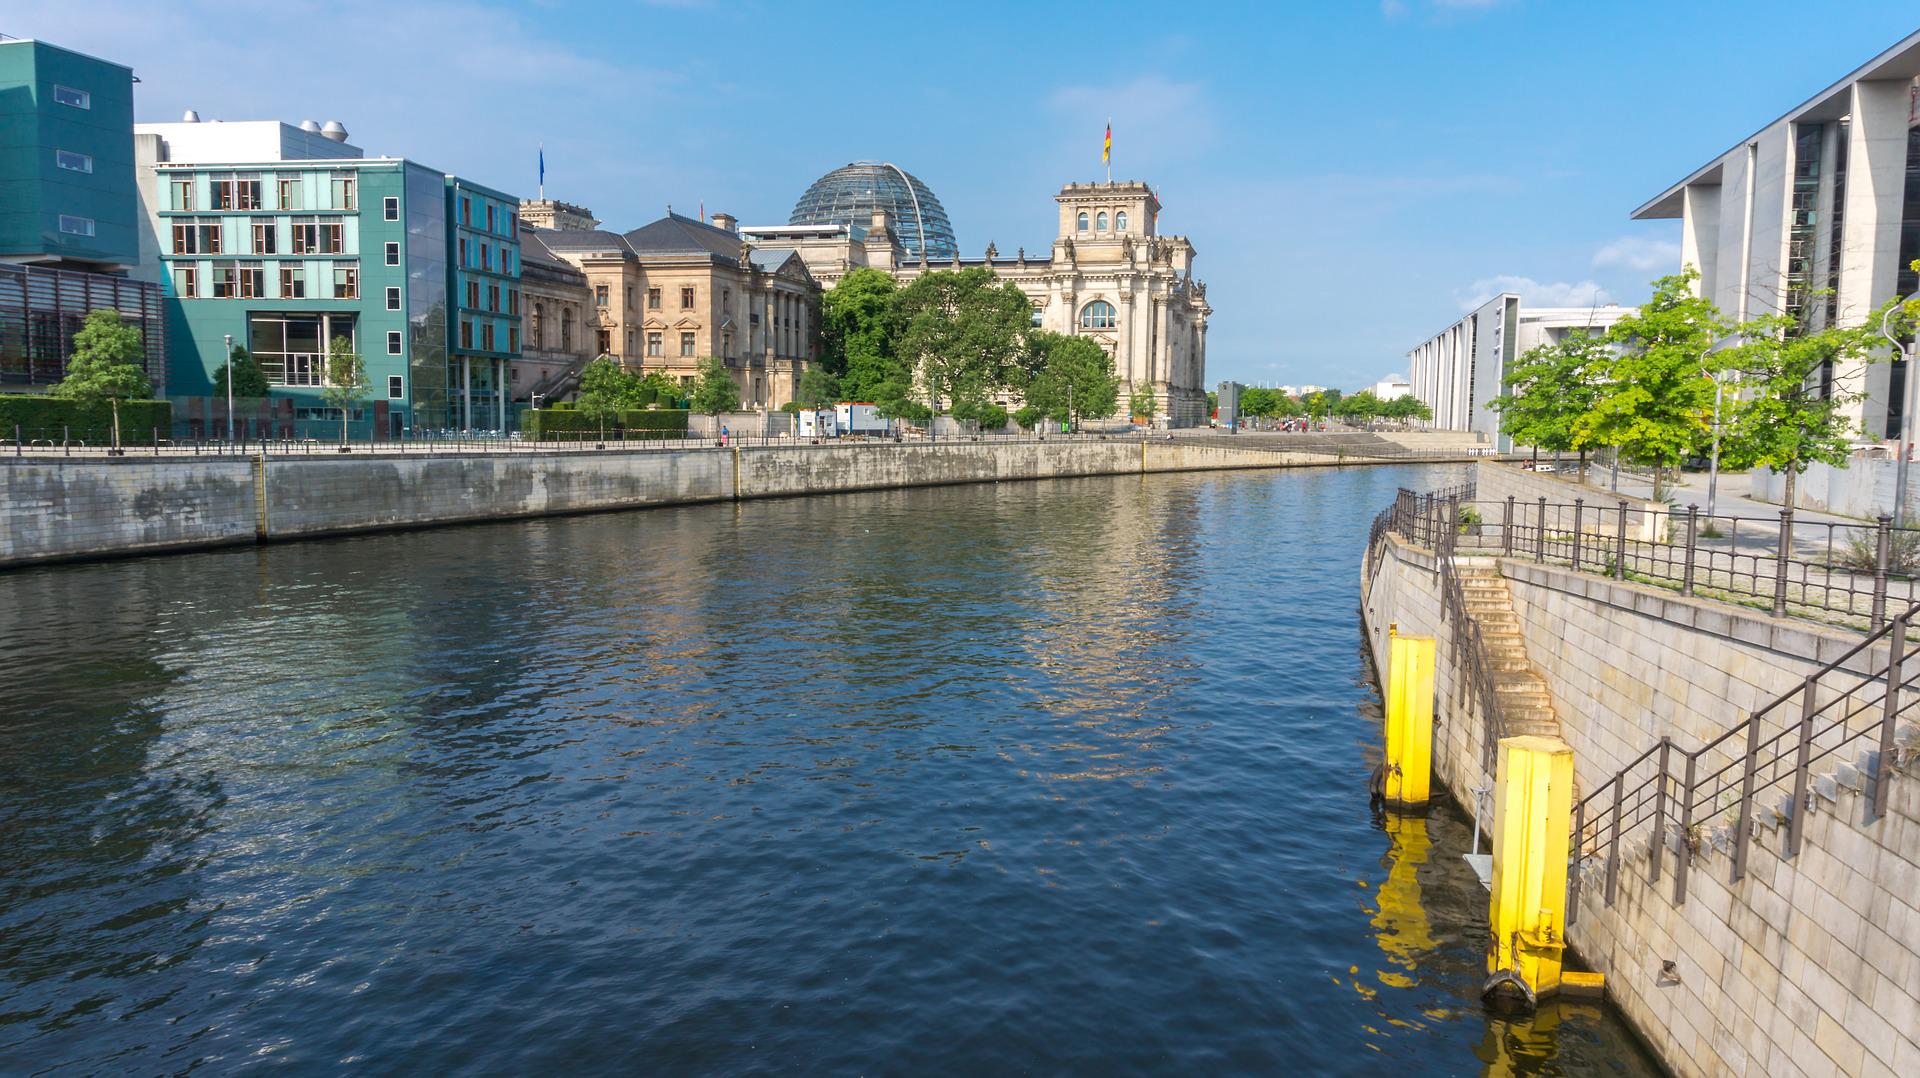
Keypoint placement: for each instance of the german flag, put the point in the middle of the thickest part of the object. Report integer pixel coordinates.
(1106, 151)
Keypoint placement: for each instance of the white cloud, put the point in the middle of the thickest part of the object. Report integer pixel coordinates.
(1640, 254)
(1533, 293)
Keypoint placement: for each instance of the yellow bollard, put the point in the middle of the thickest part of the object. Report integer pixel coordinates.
(1532, 812)
(1409, 721)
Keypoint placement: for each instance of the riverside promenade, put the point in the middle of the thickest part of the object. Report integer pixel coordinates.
(62, 502)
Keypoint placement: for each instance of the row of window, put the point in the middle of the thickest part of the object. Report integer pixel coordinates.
(601, 296)
(486, 338)
(498, 219)
(248, 280)
(493, 294)
(487, 259)
(655, 345)
(242, 192)
(1100, 221)
(305, 235)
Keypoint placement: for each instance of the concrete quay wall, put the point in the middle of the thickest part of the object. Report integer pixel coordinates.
(1808, 966)
(59, 508)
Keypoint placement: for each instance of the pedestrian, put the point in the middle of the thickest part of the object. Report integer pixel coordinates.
(723, 435)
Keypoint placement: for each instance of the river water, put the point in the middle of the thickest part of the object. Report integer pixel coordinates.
(1039, 778)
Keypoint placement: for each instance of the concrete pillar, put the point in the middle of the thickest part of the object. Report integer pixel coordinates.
(1870, 246)
(1700, 234)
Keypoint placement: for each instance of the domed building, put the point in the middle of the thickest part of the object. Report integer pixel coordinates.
(851, 194)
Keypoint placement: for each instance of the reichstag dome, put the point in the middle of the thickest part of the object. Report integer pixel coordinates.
(848, 196)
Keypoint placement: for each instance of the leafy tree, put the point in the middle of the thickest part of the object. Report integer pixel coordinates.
(104, 366)
(859, 320)
(346, 380)
(1073, 379)
(1363, 407)
(658, 387)
(1142, 403)
(1213, 402)
(1550, 389)
(1655, 402)
(1408, 407)
(715, 391)
(248, 381)
(818, 389)
(1319, 404)
(963, 333)
(1782, 419)
(606, 388)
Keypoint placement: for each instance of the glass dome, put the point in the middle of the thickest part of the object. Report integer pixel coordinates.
(848, 196)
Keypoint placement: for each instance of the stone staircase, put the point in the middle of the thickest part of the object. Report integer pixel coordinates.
(1526, 704)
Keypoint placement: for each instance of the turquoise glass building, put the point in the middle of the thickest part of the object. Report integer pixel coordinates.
(68, 197)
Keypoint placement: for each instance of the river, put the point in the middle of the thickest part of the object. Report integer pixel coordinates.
(1040, 777)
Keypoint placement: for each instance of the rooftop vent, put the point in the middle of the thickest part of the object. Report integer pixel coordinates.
(191, 117)
(309, 125)
(334, 130)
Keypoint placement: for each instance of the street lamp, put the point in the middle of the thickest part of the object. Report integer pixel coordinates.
(1906, 415)
(229, 338)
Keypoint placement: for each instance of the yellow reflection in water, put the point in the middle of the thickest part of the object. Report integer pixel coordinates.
(1400, 919)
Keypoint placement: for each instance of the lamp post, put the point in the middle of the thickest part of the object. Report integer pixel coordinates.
(1713, 465)
(229, 338)
(1906, 416)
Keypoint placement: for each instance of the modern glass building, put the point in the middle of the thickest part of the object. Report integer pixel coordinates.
(67, 190)
(849, 195)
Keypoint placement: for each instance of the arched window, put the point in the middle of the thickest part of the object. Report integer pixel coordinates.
(1120, 221)
(1037, 311)
(1097, 315)
(1103, 221)
(1083, 221)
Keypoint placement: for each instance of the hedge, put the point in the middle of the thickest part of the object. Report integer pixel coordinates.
(38, 416)
(543, 424)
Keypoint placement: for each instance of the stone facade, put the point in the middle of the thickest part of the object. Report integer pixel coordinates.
(555, 301)
(1110, 275)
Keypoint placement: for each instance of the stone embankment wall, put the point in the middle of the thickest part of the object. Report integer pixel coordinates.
(54, 508)
(1807, 966)
(1864, 488)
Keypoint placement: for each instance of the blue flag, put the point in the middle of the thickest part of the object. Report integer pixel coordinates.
(543, 164)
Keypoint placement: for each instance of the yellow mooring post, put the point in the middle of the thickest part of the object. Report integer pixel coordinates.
(1409, 721)
(1532, 812)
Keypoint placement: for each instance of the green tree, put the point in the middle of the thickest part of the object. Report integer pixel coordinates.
(1550, 389)
(658, 387)
(1319, 404)
(606, 389)
(1072, 379)
(715, 391)
(248, 381)
(346, 381)
(818, 389)
(1142, 403)
(1362, 408)
(1783, 417)
(1655, 403)
(1213, 402)
(1408, 407)
(859, 320)
(963, 333)
(104, 365)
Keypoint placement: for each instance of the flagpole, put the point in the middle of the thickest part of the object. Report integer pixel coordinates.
(1109, 154)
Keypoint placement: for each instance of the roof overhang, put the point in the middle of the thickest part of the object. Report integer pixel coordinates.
(1902, 61)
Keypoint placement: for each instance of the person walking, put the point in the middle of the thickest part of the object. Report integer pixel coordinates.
(723, 435)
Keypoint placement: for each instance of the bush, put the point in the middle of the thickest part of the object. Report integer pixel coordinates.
(543, 424)
(90, 422)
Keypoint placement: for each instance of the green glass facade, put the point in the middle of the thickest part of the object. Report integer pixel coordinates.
(68, 196)
(485, 283)
(285, 256)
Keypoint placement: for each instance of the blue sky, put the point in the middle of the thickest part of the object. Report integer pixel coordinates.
(1352, 172)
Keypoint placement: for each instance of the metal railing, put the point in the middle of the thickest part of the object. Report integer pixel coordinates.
(1681, 798)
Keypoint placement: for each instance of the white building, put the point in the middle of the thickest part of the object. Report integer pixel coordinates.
(1458, 370)
(1816, 215)
(1392, 386)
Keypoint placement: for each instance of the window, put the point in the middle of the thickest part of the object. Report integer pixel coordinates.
(186, 238)
(182, 194)
(629, 297)
(76, 226)
(490, 225)
(493, 297)
(186, 282)
(473, 294)
(600, 295)
(73, 162)
(726, 344)
(486, 257)
(246, 194)
(1097, 315)
(466, 211)
(1036, 316)
(222, 194)
(506, 260)
(629, 350)
(293, 282)
(291, 348)
(390, 207)
(224, 274)
(253, 280)
(263, 237)
(393, 342)
(393, 297)
(1083, 221)
(393, 252)
(686, 344)
(463, 251)
(290, 195)
(653, 344)
(726, 298)
(330, 238)
(486, 337)
(306, 237)
(603, 341)
(67, 95)
(343, 192)
(653, 299)
(1120, 221)
(686, 298)
(466, 334)
(1100, 222)
(346, 281)
(513, 341)
(396, 387)
(513, 301)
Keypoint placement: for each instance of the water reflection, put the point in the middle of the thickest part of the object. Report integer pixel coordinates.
(1069, 772)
